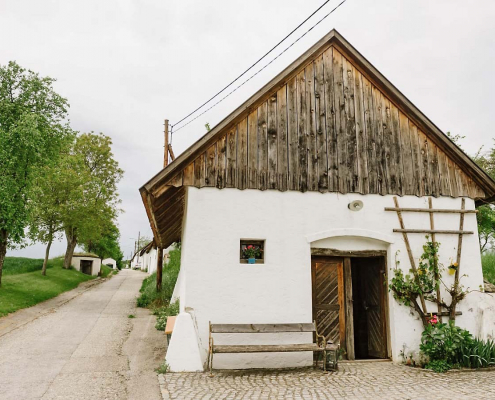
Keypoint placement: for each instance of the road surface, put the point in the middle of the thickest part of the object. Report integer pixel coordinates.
(85, 348)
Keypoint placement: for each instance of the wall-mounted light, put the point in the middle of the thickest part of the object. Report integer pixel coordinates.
(355, 205)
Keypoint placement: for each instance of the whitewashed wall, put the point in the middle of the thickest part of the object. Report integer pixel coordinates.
(95, 269)
(215, 287)
(111, 262)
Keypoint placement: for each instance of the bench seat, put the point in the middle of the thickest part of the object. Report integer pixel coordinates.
(270, 348)
(322, 345)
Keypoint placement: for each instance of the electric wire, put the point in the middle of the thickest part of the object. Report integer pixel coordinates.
(257, 62)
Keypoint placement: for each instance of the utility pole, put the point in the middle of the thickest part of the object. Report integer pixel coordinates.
(165, 149)
(138, 244)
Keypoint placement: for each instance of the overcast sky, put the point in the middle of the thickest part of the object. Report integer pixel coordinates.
(127, 65)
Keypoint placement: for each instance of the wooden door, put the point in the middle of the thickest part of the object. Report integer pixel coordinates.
(374, 297)
(328, 298)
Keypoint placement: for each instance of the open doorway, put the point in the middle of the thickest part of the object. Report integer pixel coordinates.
(368, 300)
(349, 301)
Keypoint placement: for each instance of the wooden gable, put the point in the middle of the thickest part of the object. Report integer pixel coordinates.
(330, 123)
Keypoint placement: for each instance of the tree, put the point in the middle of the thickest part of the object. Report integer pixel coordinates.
(32, 131)
(486, 213)
(107, 246)
(55, 186)
(88, 216)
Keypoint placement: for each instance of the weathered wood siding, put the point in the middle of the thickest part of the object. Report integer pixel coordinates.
(329, 129)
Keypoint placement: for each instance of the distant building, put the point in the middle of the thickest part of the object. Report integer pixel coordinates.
(87, 263)
(110, 262)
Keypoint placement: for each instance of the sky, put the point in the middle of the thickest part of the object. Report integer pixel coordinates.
(126, 65)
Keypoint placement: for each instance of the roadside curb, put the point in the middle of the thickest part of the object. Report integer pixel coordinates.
(24, 316)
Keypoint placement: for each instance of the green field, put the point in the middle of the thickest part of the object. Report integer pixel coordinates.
(20, 265)
(21, 290)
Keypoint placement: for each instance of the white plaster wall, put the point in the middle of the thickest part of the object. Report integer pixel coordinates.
(76, 263)
(110, 261)
(216, 287)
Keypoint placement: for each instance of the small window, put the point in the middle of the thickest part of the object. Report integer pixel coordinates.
(252, 249)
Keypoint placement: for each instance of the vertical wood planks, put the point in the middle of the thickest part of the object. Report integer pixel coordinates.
(396, 150)
(417, 164)
(242, 154)
(272, 142)
(232, 158)
(262, 147)
(188, 179)
(222, 161)
(199, 171)
(340, 122)
(425, 166)
(282, 150)
(378, 140)
(350, 126)
(311, 138)
(407, 156)
(252, 153)
(371, 135)
(332, 156)
(321, 134)
(302, 131)
(211, 161)
(328, 128)
(362, 139)
(292, 133)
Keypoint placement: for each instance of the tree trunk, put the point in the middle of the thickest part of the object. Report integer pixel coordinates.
(71, 245)
(47, 254)
(3, 250)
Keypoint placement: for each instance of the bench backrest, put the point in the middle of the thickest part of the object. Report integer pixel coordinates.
(261, 328)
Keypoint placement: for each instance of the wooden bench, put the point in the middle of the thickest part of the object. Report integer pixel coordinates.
(322, 344)
(169, 328)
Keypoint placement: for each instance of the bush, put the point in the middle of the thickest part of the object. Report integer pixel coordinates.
(447, 345)
(444, 342)
(164, 312)
(149, 296)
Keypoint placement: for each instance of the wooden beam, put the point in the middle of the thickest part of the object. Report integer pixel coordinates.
(349, 311)
(432, 226)
(165, 147)
(172, 155)
(159, 268)
(409, 251)
(438, 231)
(431, 210)
(348, 253)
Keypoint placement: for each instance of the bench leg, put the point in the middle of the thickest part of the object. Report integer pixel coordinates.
(324, 360)
(211, 363)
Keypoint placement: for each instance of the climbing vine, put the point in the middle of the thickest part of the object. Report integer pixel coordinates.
(419, 284)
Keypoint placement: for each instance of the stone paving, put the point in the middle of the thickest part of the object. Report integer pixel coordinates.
(356, 380)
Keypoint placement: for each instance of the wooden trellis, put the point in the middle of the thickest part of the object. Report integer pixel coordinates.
(433, 232)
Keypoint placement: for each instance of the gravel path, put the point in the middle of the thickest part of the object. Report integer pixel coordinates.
(87, 348)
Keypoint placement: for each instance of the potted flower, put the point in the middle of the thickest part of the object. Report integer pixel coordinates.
(251, 252)
(453, 267)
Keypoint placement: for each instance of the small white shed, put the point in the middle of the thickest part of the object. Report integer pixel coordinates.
(87, 263)
(110, 262)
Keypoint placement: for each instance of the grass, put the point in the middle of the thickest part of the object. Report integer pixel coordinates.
(149, 296)
(20, 265)
(488, 263)
(159, 302)
(24, 290)
(105, 271)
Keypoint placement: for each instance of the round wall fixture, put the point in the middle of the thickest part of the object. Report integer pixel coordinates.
(355, 205)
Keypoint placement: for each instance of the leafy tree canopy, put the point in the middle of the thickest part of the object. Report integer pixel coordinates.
(107, 246)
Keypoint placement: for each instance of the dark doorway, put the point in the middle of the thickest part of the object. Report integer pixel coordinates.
(368, 298)
(86, 266)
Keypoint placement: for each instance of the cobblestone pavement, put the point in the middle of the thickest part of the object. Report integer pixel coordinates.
(357, 380)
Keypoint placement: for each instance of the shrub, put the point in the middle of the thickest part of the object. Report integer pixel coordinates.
(444, 342)
(477, 354)
(488, 265)
(164, 312)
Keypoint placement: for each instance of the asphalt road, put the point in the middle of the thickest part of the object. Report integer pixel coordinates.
(85, 348)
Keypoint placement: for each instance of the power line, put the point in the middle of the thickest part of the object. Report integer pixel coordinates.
(257, 72)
